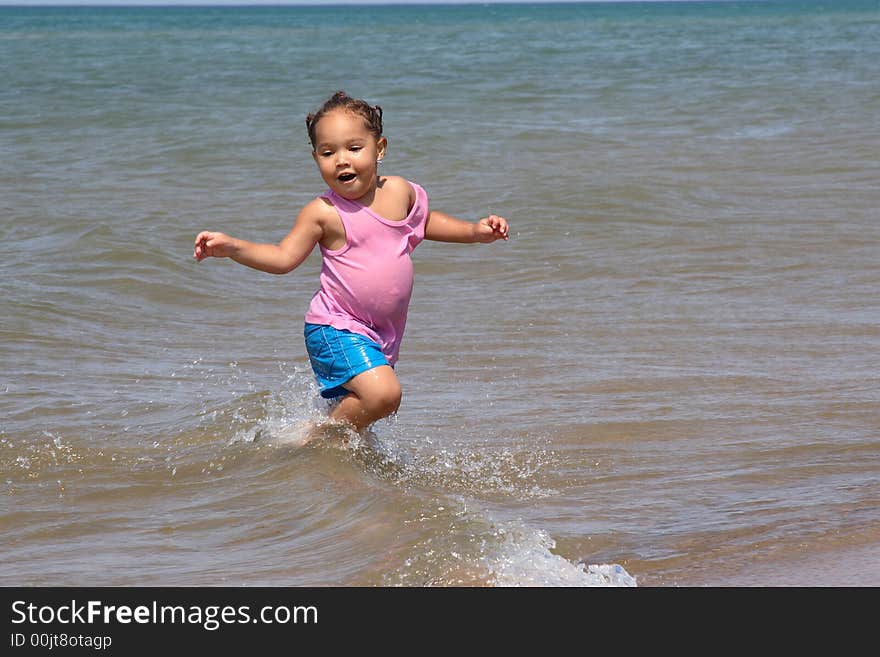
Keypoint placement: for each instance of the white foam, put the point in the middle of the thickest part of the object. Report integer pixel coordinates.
(526, 559)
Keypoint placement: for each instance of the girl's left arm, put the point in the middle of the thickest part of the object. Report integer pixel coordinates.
(441, 227)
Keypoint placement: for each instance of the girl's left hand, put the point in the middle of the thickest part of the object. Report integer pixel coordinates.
(491, 228)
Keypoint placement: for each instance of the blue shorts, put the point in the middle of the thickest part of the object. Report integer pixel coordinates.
(337, 356)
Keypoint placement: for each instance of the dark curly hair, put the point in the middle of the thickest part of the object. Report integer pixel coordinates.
(372, 114)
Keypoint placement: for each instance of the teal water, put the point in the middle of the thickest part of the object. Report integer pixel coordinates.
(670, 367)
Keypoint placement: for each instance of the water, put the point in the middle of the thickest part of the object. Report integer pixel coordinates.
(667, 377)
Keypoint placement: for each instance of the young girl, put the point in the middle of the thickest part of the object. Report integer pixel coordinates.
(367, 226)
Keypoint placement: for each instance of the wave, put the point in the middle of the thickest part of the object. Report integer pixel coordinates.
(461, 543)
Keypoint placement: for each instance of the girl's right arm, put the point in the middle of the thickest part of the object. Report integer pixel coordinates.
(279, 258)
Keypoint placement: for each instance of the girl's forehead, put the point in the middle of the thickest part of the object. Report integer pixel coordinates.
(342, 118)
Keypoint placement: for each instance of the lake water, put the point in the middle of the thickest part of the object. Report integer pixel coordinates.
(668, 376)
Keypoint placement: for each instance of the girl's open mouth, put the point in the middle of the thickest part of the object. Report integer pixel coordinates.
(346, 177)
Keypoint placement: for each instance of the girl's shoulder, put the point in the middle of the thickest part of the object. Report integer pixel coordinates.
(399, 187)
(395, 183)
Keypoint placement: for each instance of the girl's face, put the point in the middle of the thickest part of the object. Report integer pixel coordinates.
(347, 154)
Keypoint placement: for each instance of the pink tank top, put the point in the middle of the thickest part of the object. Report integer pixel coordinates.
(366, 285)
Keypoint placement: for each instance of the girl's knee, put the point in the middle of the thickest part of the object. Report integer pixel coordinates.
(378, 390)
(385, 399)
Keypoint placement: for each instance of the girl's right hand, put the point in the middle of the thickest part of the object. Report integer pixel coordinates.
(210, 244)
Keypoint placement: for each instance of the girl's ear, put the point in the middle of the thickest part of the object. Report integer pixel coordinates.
(381, 147)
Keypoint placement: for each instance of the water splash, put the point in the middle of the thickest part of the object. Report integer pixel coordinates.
(295, 415)
(461, 466)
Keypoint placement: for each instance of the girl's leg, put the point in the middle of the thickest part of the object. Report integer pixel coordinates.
(374, 394)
